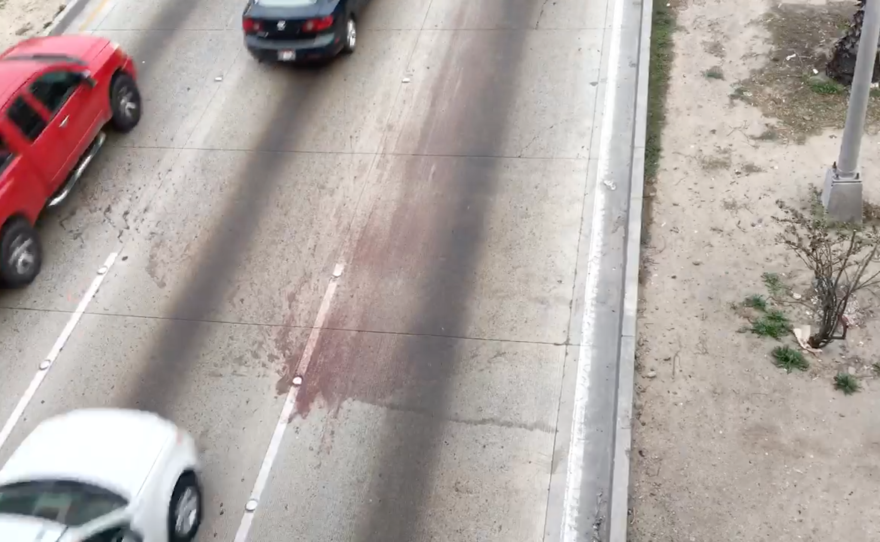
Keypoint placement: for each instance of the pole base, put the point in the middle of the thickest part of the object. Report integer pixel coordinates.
(842, 199)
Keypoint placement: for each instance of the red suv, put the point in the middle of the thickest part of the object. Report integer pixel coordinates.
(56, 96)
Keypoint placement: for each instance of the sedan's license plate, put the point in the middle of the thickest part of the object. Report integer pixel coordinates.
(286, 56)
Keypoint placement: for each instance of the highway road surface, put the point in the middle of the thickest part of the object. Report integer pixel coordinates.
(411, 230)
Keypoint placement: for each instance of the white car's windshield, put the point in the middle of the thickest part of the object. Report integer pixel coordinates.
(69, 503)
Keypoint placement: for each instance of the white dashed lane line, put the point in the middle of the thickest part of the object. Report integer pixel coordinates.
(287, 411)
(47, 363)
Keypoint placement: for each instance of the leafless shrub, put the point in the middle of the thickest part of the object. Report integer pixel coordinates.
(838, 256)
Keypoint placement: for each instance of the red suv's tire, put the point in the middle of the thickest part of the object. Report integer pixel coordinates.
(21, 254)
(125, 102)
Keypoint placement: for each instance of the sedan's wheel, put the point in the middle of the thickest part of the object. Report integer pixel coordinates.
(350, 36)
(185, 512)
(21, 254)
(125, 102)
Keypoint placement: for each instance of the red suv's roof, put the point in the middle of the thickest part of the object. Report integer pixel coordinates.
(13, 73)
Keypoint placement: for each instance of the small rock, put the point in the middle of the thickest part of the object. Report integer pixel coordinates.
(24, 29)
(796, 295)
(651, 374)
(406, 79)
(851, 370)
(218, 78)
(697, 262)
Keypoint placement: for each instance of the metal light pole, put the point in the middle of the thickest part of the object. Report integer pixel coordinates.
(842, 194)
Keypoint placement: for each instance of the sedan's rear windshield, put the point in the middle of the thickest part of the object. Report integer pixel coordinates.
(286, 3)
(68, 503)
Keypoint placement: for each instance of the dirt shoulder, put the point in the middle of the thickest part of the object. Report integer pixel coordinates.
(25, 18)
(726, 445)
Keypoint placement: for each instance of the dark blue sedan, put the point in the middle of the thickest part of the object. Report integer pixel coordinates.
(300, 30)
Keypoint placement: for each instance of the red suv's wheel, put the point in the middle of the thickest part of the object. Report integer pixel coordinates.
(21, 255)
(125, 102)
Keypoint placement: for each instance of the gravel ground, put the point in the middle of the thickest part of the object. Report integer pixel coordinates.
(727, 446)
(25, 18)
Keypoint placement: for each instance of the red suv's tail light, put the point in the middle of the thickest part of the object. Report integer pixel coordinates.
(250, 26)
(317, 25)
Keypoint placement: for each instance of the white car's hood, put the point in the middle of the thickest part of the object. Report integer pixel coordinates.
(112, 449)
(24, 529)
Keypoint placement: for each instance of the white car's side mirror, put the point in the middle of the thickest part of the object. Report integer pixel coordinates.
(131, 535)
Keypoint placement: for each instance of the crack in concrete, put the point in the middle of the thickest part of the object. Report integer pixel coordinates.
(474, 422)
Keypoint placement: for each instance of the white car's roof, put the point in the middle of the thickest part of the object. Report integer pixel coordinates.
(110, 448)
(25, 529)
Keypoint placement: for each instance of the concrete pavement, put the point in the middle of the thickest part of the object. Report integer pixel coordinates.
(407, 229)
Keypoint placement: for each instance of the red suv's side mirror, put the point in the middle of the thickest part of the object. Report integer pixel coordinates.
(88, 79)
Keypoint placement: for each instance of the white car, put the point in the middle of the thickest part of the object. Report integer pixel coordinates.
(102, 475)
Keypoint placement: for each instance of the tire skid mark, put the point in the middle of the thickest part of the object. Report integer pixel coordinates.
(148, 50)
(149, 47)
(175, 350)
(440, 246)
(452, 234)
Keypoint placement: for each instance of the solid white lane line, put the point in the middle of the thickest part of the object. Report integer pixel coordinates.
(575, 467)
(287, 411)
(47, 363)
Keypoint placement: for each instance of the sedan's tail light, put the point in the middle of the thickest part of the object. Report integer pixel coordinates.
(317, 25)
(250, 26)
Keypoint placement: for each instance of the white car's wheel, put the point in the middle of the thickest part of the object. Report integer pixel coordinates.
(185, 511)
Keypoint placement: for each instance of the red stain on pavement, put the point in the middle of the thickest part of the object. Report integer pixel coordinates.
(286, 341)
(351, 365)
(389, 281)
(388, 262)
